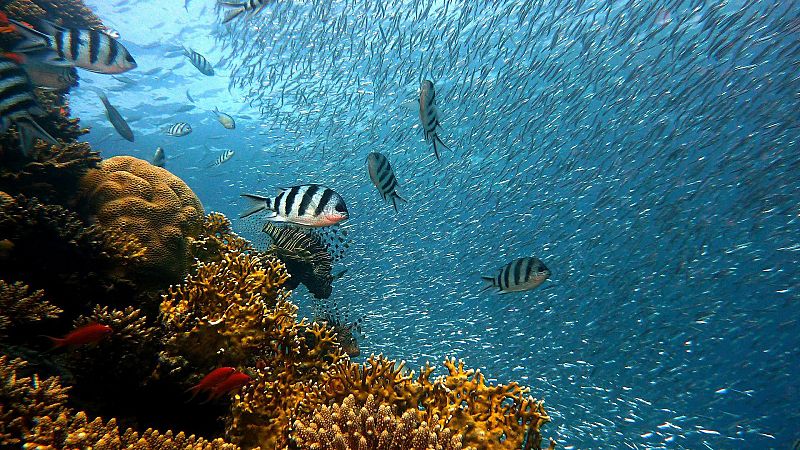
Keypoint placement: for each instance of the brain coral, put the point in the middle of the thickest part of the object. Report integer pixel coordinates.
(149, 202)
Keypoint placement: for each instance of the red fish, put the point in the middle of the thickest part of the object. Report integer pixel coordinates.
(232, 383)
(87, 334)
(211, 380)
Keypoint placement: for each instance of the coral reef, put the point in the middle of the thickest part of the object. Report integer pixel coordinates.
(19, 306)
(33, 412)
(24, 399)
(149, 202)
(70, 12)
(369, 425)
(49, 247)
(216, 238)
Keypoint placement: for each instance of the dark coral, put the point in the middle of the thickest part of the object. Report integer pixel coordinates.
(33, 412)
(150, 203)
(49, 247)
(23, 399)
(20, 307)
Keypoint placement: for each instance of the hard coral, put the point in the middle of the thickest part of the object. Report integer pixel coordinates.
(73, 13)
(228, 306)
(33, 412)
(150, 203)
(49, 247)
(24, 399)
(371, 425)
(19, 306)
(216, 238)
(488, 416)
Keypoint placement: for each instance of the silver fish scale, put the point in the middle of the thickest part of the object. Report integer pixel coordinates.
(646, 151)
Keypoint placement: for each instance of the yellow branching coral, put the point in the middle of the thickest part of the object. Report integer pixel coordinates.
(24, 399)
(371, 425)
(19, 306)
(216, 238)
(77, 431)
(223, 315)
(150, 203)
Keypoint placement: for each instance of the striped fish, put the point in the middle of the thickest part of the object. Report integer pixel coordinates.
(18, 104)
(382, 175)
(251, 7)
(179, 129)
(223, 158)
(429, 115)
(522, 274)
(309, 204)
(92, 50)
(199, 61)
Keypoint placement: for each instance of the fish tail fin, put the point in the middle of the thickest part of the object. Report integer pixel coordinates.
(488, 283)
(395, 197)
(31, 39)
(260, 203)
(232, 14)
(30, 130)
(436, 149)
(57, 342)
(436, 138)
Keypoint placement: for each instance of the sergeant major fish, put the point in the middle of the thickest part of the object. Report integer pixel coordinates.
(92, 50)
(251, 7)
(116, 118)
(179, 129)
(382, 176)
(225, 119)
(223, 158)
(429, 115)
(46, 76)
(312, 205)
(18, 104)
(200, 62)
(522, 274)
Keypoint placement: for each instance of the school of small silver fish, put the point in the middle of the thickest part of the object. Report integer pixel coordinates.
(647, 152)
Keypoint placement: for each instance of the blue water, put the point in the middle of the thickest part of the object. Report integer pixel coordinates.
(647, 152)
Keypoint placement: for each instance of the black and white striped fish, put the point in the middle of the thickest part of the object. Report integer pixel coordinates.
(312, 205)
(223, 158)
(429, 116)
(179, 129)
(382, 175)
(92, 50)
(251, 7)
(522, 274)
(18, 104)
(199, 61)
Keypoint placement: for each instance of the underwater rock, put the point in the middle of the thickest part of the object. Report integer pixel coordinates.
(351, 425)
(19, 306)
(150, 203)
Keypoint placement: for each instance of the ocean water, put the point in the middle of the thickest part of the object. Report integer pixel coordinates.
(646, 151)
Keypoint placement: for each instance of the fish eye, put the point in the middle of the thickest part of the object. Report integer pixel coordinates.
(340, 207)
(130, 59)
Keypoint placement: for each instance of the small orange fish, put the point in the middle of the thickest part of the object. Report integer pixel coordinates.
(211, 380)
(232, 383)
(87, 334)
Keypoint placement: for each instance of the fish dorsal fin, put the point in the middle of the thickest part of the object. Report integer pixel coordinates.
(50, 28)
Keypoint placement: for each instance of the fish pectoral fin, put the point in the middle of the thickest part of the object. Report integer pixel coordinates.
(274, 217)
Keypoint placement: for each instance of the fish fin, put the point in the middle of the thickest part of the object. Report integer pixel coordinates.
(435, 148)
(260, 203)
(396, 195)
(31, 39)
(274, 217)
(50, 28)
(394, 204)
(30, 130)
(57, 342)
(232, 14)
(488, 283)
(437, 138)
